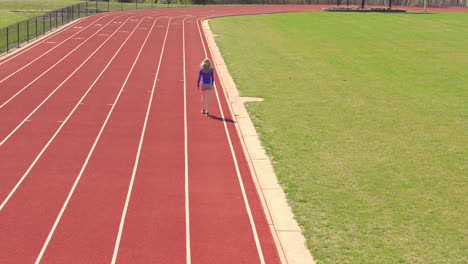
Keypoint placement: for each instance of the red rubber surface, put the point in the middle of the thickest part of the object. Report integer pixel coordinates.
(108, 122)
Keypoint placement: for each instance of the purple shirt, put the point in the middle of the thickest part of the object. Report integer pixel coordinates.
(208, 77)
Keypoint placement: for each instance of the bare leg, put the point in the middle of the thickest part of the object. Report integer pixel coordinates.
(207, 98)
(203, 99)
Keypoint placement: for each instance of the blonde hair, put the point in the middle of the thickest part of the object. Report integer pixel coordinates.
(206, 65)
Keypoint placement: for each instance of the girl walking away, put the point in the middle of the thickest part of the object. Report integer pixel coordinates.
(206, 75)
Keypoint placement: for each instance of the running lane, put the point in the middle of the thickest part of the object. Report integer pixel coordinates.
(154, 227)
(224, 208)
(90, 229)
(44, 75)
(35, 130)
(46, 53)
(28, 217)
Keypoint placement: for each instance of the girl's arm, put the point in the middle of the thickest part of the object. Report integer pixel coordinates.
(199, 77)
(212, 77)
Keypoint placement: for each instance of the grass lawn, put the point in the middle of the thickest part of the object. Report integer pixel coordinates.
(365, 120)
(7, 18)
(36, 4)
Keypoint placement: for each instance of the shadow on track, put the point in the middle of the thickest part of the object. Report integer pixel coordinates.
(221, 119)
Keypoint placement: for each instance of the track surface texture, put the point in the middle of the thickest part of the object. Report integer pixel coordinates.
(105, 156)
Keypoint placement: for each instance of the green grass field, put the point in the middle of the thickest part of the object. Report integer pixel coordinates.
(365, 120)
(36, 4)
(7, 18)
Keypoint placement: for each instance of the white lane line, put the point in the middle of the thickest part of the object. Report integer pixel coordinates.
(50, 68)
(45, 53)
(140, 145)
(60, 85)
(188, 252)
(57, 220)
(239, 176)
(80, 102)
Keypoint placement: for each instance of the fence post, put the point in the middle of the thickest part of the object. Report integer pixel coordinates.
(43, 24)
(96, 6)
(18, 35)
(27, 30)
(7, 40)
(108, 5)
(35, 35)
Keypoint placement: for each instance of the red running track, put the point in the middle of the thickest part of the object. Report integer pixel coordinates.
(105, 157)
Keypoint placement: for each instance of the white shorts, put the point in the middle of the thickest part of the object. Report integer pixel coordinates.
(206, 86)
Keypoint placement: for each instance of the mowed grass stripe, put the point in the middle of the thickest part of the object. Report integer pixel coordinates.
(7, 18)
(36, 4)
(365, 120)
